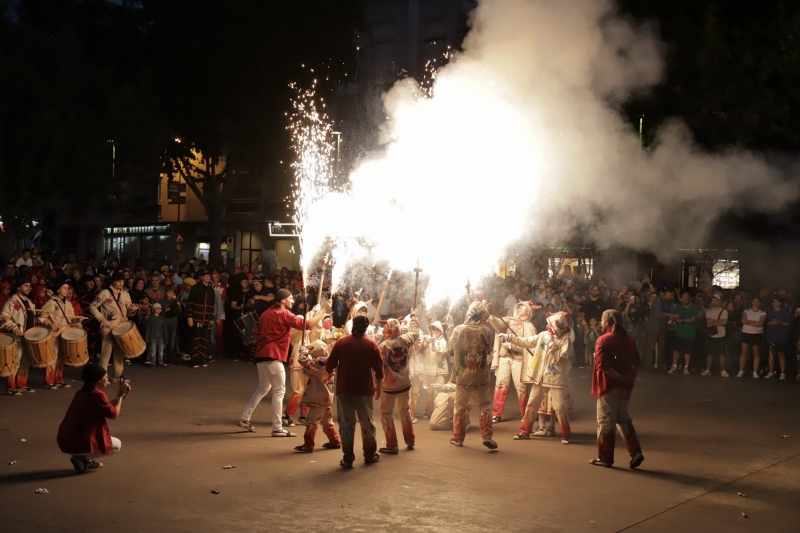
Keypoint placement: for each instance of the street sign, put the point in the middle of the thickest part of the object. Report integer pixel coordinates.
(175, 191)
(179, 200)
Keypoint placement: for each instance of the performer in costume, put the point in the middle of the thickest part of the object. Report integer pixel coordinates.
(112, 307)
(318, 398)
(58, 314)
(444, 408)
(435, 354)
(470, 345)
(507, 358)
(17, 316)
(396, 384)
(200, 307)
(548, 369)
(298, 377)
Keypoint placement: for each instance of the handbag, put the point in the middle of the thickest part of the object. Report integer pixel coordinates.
(714, 330)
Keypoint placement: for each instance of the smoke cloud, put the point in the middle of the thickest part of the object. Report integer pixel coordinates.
(523, 141)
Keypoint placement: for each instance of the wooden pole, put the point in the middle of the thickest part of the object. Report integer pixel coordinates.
(380, 303)
(416, 285)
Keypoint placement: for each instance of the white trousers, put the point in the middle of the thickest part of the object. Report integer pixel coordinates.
(271, 376)
(116, 445)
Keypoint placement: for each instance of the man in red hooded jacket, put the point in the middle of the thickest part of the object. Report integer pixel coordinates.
(615, 367)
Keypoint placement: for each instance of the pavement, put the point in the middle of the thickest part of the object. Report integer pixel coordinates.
(705, 439)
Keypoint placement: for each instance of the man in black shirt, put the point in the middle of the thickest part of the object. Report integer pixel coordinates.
(593, 306)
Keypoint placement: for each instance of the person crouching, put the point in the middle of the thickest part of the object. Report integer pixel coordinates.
(318, 398)
(84, 432)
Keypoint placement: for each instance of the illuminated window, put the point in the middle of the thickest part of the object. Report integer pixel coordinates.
(726, 273)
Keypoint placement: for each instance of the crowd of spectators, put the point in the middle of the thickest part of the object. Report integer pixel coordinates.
(705, 330)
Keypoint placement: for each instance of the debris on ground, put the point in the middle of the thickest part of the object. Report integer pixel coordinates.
(744, 515)
(784, 436)
(743, 495)
(23, 440)
(214, 491)
(41, 491)
(12, 463)
(228, 467)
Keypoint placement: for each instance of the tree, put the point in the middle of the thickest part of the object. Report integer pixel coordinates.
(224, 69)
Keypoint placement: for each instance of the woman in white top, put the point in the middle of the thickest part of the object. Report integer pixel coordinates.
(752, 335)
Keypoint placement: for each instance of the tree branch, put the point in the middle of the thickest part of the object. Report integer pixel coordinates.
(191, 182)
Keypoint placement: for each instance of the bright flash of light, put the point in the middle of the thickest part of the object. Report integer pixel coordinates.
(444, 189)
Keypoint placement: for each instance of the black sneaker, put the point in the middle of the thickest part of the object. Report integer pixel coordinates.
(14, 392)
(286, 421)
(26, 389)
(302, 420)
(78, 463)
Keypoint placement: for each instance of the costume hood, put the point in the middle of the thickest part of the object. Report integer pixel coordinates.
(392, 327)
(557, 324)
(476, 314)
(521, 308)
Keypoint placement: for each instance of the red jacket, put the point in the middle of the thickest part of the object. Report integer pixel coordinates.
(84, 429)
(273, 333)
(618, 351)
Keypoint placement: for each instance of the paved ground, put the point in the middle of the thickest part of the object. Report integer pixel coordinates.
(705, 439)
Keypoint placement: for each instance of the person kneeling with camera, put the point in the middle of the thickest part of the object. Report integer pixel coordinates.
(84, 432)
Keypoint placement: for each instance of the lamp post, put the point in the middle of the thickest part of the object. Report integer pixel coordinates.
(113, 158)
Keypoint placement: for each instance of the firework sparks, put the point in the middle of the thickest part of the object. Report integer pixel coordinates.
(311, 132)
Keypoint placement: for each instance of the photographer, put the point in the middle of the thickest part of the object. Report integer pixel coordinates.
(84, 432)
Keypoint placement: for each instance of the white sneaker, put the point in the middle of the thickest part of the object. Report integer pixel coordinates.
(783, 377)
(725, 374)
(740, 374)
(769, 375)
(755, 375)
(685, 371)
(673, 370)
(706, 373)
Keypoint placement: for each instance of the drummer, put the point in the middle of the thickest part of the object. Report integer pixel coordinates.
(18, 315)
(111, 307)
(58, 314)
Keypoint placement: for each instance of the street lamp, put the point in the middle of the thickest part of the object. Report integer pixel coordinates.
(113, 158)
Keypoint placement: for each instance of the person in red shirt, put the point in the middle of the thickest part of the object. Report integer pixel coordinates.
(359, 374)
(272, 336)
(616, 365)
(84, 432)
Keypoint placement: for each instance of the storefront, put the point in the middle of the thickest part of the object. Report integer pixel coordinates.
(137, 241)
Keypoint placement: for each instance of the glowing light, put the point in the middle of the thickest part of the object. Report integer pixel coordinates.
(311, 142)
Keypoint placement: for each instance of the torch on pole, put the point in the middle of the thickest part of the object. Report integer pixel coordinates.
(380, 302)
(322, 279)
(416, 285)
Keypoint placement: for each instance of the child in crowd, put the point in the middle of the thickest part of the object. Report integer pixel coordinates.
(154, 338)
(171, 311)
(592, 334)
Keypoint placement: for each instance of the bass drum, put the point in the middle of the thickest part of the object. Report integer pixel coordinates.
(74, 346)
(8, 349)
(38, 341)
(129, 339)
(246, 325)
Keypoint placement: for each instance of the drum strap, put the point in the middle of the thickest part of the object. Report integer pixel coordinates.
(30, 316)
(116, 300)
(63, 313)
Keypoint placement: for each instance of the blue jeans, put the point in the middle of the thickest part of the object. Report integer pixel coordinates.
(156, 353)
